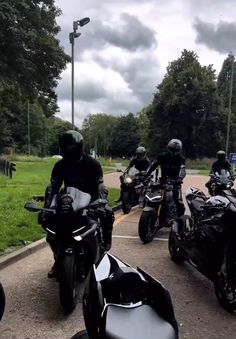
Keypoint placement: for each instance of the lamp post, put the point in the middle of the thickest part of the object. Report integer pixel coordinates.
(230, 105)
(72, 37)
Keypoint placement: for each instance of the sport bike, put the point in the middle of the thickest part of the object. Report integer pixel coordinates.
(159, 209)
(132, 189)
(207, 240)
(75, 231)
(125, 302)
(2, 301)
(221, 181)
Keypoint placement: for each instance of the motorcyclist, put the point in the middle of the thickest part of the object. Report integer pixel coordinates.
(172, 164)
(79, 170)
(140, 161)
(217, 166)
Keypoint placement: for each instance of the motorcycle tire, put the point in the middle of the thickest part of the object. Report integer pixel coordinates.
(68, 282)
(81, 335)
(127, 202)
(148, 226)
(221, 294)
(174, 249)
(2, 301)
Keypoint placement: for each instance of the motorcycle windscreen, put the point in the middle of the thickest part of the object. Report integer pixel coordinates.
(223, 176)
(139, 323)
(80, 198)
(132, 172)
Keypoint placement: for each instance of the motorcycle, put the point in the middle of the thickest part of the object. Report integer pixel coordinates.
(132, 188)
(2, 301)
(159, 209)
(221, 181)
(207, 239)
(75, 229)
(123, 302)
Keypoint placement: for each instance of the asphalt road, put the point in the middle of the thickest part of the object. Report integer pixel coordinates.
(33, 309)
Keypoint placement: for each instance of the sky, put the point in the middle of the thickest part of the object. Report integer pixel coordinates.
(122, 54)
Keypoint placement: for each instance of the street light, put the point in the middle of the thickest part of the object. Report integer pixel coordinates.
(230, 105)
(72, 37)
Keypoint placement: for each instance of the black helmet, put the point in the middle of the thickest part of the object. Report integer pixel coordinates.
(71, 145)
(174, 146)
(221, 155)
(140, 152)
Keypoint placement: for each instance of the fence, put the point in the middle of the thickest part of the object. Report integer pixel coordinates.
(7, 167)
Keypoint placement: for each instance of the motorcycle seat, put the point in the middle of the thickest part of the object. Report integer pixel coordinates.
(138, 322)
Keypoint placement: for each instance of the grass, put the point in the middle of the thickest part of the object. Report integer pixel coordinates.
(19, 227)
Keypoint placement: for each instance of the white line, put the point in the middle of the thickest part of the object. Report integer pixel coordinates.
(135, 237)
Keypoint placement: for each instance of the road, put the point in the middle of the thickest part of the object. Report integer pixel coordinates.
(33, 309)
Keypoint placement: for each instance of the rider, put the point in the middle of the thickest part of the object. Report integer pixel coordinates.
(172, 165)
(79, 170)
(217, 166)
(140, 162)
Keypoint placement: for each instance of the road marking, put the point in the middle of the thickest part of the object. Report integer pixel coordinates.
(135, 237)
(121, 217)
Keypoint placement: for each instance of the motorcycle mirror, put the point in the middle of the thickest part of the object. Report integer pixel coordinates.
(32, 206)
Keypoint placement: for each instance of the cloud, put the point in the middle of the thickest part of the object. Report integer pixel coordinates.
(220, 37)
(127, 33)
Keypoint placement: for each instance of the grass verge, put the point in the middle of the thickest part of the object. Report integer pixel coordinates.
(18, 226)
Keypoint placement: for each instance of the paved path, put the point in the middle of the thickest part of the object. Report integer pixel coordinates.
(33, 309)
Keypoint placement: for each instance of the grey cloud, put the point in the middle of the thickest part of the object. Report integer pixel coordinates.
(220, 38)
(87, 91)
(142, 74)
(131, 34)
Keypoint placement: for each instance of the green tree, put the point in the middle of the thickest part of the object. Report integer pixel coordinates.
(125, 138)
(224, 83)
(186, 106)
(144, 125)
(97, 130)
(31, 58)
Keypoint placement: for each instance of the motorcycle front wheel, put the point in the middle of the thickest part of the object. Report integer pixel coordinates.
(127, 202)
(148, 226)
(68, 282)
(2, 301)
(225, 293)
(81, 335)
(174, 249)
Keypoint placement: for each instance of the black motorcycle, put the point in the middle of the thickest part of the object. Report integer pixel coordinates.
(221, 181)
(75, 230)
(132, 188)
(122, 302)
(160, 209)
(207, 239)
(2, 301)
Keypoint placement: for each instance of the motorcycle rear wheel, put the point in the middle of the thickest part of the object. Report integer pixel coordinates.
(174, 249)
(68, 282)
(222, 294)
(2, 301)
(148, 226)
(127, 202)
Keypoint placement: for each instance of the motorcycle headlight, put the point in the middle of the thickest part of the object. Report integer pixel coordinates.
(128, 180)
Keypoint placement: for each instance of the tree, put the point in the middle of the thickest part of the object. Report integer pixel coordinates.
(125, 138)
(223, 84)
(186, 106)
(97, 130)
(144, 125)
(31, 58)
